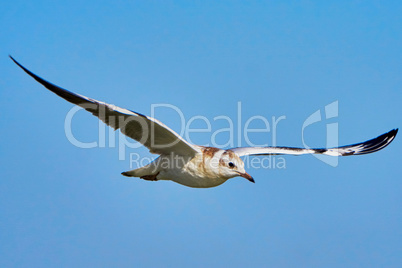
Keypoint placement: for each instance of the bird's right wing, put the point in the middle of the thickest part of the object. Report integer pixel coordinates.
(153, 134)
(366, 147)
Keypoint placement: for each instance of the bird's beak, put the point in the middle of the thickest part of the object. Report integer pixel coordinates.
(247, 176)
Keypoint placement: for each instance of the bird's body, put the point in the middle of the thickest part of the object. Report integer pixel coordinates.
(204, 170)
(185, 163)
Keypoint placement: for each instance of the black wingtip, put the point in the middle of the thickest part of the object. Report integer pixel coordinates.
(16, 62)
(25, 69)
(391, 134)
(65, 94)
(378, 143)
(369, 146)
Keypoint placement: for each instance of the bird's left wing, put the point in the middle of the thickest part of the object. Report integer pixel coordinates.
(153, 134)
(366, 147)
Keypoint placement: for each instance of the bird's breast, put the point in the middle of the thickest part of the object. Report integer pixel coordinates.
(198, 172)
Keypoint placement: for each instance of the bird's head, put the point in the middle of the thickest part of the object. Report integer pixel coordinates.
(230, 165)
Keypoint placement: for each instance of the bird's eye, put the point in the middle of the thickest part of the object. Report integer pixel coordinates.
(231, 165)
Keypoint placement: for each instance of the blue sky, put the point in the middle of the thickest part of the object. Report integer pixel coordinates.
(70, 207)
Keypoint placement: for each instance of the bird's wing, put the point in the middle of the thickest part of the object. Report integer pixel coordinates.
(366, 147)
(153, 134)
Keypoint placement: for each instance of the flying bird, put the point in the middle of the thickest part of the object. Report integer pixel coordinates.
(188, 164)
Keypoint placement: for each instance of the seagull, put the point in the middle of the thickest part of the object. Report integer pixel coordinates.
(188, 164)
